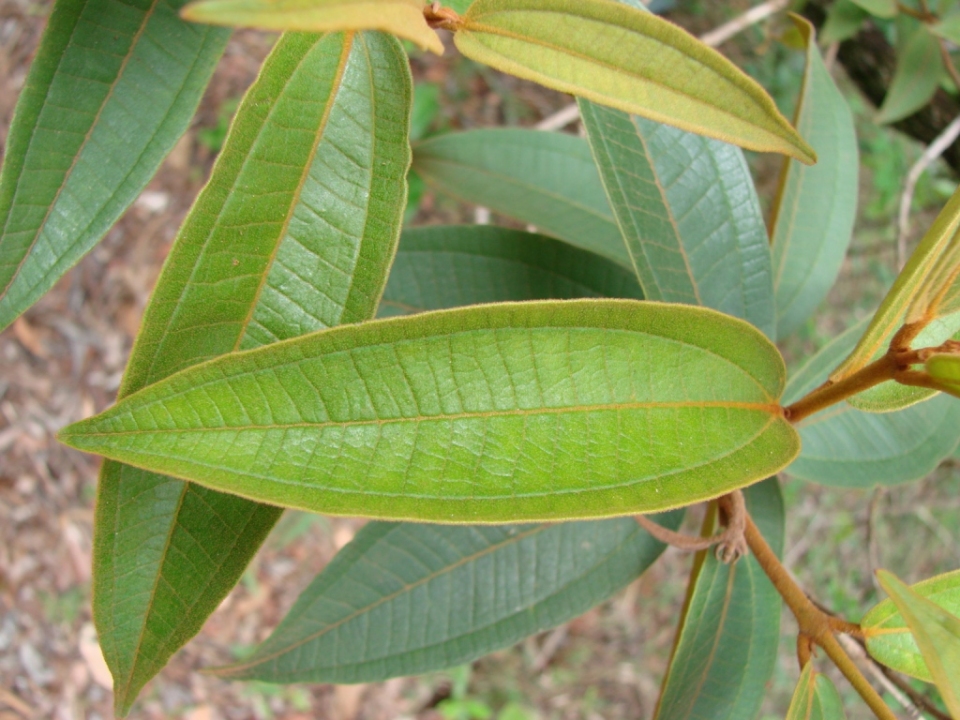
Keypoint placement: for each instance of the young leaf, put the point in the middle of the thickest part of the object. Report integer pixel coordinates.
(937, 633)
(470, 591)
(846, 447)
(546, 179)
(495, 413)
(916, 78)
(631, 60)
(816, 698)
(888, 636)
(403, 18)
(263, 255)
(687, 208)
(440, 267)
(112, 88)
(815, 208)
(726, 648)
(926, 290)
(945, 369)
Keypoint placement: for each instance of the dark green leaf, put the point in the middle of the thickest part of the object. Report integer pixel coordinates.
(441, 267)
(688, 211)
(265, 254)
(546, 179)
(812, 220)
(495, 413)
(112, 88)
(727, 645)
(403, 599)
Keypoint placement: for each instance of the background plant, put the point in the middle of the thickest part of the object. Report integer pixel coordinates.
(617, 170)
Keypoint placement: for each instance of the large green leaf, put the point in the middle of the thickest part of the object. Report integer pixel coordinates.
(816, 698)
(888, 636)
(727, 644)
(507, 412)
(294, 232)
(688, 211)
(812, 220)
(112, 88)
(916, 78)
(937, 634)
(403, 18)
(441, 267)
(846, 447)
(927, 290)
(403, 599)
(629, 59)
(547, 179)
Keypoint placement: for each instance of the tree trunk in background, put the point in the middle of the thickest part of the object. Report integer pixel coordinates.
(869, 61)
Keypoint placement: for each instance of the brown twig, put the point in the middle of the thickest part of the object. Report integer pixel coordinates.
(731, 543)
(438, 16)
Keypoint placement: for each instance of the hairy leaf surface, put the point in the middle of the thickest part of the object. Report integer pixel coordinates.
(689, 214)
(937, 634)
(403, 18)
(631, 60)
(294, 232)
(546, 179)
(526, 411)
(112, 88)
(726, 649)
(440, 267)
(888, 636)
(816, 698)
(815, 208)
(404, 598)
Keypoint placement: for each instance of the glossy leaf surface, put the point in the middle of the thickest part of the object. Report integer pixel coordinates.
(440, 267)
(730, 630)
(404, 598)
(643, 65)
(927, 289)
(812, 221)
(687, 208)
(915, 80)
(549, 410)
(545, 179)
(888, 636)
(937, 634)
(846, 447)
(816, 698)
(403, 18)
(291, 250)
(112, 88)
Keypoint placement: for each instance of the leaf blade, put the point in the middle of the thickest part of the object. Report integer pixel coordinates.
(77, 155)
(816, 698)
(645, 65)
(916, 77)
(519, 409)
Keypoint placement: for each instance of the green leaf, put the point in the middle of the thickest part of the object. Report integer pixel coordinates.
(926, 291)
(112, 88)
(461, 592)
(509, 412)
(403, 18)
(916, 77)
(631, 60)
(546, 179)
(945, 369)
(815, 208)
(263, 255)
(889, 639)
(816, 698)
(727, 644)
(688, 211)
(846, 447)
(948, 28)
(937, 633)
(440, 267)
(879, 8)
(844, 19)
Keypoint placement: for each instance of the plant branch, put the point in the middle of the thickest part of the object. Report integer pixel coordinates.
(731, 541)
(833, 392)
(814, 624)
